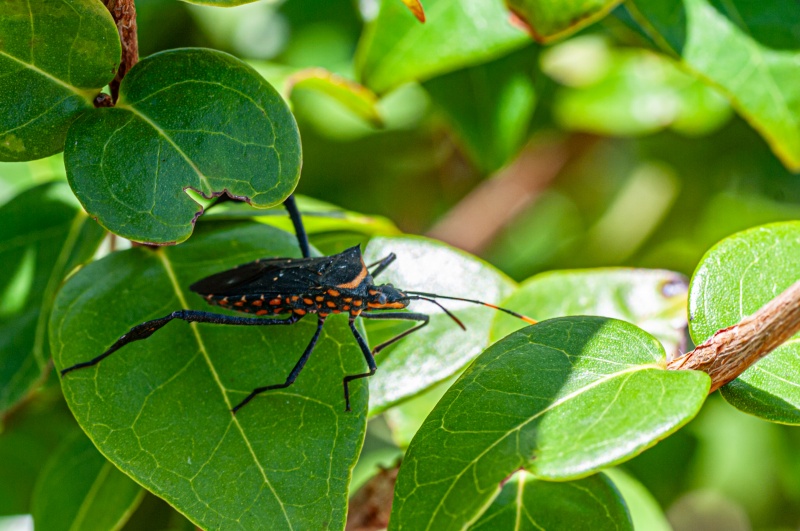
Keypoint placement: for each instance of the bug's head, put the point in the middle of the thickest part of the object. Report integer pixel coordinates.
(386, 297)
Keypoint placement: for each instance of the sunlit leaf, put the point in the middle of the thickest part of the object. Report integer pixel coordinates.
(549, 20)
(441, 349)
(747, 49)
(358, 99)
(54, 59)
(44, 234)
(563, 399)
(526, 503)
(159, 409)
(397, 48)
(79, 489)
(736, 278)
(189, 118)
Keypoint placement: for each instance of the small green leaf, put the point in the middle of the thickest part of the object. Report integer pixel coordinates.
(189, 118)
(54, 58)
(44, 234)
(747, 49)
(489, 106)
(526, 503)
(159, 409)
(736, 278)
(563, 399)
(645, 512)
(357, 98)
(652, 299)
(79, 489)
(441, 349)
(549, 20)
(458, 33)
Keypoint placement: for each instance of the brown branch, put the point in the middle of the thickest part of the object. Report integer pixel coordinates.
(730, 351)
(124, 14)
(475, 221)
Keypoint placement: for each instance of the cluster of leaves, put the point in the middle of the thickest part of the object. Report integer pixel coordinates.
(499, 425)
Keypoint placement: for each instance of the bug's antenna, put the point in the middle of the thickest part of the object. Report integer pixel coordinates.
(421, 294)
(453, 317)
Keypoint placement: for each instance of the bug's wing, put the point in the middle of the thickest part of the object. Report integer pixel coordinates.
(274, 275)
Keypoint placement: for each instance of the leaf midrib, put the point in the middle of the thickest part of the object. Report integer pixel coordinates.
(85, 94)
(201, 345)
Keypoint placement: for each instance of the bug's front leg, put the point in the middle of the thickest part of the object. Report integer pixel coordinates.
(147, 329)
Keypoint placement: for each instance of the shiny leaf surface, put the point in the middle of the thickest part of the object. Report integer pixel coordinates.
(563, 399)
(549, 20)
(441, 349)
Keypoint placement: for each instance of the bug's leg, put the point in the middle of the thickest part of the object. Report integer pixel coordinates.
(292, 375)
(297, 221)
(367, 356)
(146, 329)
(382, 264)
(422, 318)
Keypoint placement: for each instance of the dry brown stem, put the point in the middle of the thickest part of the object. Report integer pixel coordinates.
(124, 14)
(730, 351)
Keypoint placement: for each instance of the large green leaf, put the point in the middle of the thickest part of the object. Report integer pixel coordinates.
(735, 278)
(160, 409)
(55, 56)
(44, 234)
(563, 399)
(458, 33)
(489, 106)
(652, 299)
(748, 49)
(441, 349)
(526, 503)
(189, 118)
(549, 20)
(79, 489)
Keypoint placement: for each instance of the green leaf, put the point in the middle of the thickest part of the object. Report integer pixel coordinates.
(489, 106)
(27, 440)
(44, 234)
(159, 409)
(736, 278)
(642, 506)
(189, 118)
(54, 58)
(526, 503)
(549, 20)
(441, 349)
(652, 299)
(563, 399)
(358, 99)
(397, 48)
(79, 489)
(406, 418)
(747, 49)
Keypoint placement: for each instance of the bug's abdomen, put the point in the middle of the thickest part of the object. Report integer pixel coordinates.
(323, 303)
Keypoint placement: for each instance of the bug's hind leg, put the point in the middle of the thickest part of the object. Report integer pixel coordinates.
(297, 221)
(147, 329)
(292, 375)
(370, 363)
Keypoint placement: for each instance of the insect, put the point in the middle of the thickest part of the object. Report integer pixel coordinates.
(272, 287)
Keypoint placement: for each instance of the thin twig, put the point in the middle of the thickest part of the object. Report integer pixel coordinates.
(730, 351)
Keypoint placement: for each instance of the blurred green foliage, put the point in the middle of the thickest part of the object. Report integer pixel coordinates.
(665, 168)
